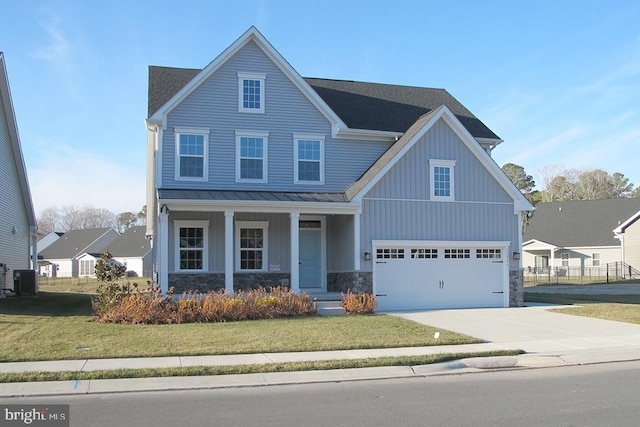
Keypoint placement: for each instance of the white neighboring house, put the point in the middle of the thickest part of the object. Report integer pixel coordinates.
(132, 249)
(62, 258)
(585, 234)
(46, 240)
(17, 217)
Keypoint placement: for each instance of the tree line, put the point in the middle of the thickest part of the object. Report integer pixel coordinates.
(72, 217)
(561, 184)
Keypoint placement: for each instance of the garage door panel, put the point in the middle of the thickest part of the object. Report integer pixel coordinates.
(439, 278)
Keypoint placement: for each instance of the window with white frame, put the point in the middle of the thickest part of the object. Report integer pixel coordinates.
(442, 179)
(309, 159)
(251, 156)
(191, 154)
(191, 245)
(87, 267)
(251, 245)
(595, 259)
(251, 92)
(564, 259)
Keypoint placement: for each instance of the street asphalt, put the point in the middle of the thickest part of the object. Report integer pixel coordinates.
(549, 340)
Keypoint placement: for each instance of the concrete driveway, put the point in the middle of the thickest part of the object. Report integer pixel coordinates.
(534, 329)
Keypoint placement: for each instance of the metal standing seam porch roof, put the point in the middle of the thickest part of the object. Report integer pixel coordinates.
(231, 195)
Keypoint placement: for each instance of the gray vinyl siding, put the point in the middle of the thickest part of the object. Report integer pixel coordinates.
(279, 243)
(214, 106)
(340, 243)
(14, 248)
(398, 206)
(632, 245)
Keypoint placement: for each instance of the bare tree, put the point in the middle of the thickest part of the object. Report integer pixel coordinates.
(71, 218)
(571, 184)
(49, 220)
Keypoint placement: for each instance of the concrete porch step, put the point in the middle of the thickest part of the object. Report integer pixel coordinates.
(330, 308)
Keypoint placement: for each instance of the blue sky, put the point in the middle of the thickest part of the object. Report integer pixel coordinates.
(558, 81)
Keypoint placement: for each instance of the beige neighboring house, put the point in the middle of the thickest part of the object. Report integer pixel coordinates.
(18, 226)
(586, 234)
(629, 235)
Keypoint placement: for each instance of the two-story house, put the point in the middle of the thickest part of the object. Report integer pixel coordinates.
(18, 228)
(260, 177)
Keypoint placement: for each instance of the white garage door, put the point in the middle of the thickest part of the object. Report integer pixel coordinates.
(422, 275)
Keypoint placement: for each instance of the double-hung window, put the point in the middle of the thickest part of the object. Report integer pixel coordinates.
(251, 156)
(251, 245)
(442, 179)
(191, 154)
(309, 159)
(191, 243)
(251, 92)
(595, 259)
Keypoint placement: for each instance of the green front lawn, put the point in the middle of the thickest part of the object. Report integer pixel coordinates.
(56, 326)
(621, 308)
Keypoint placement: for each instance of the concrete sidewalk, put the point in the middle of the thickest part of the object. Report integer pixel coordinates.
(550, 339)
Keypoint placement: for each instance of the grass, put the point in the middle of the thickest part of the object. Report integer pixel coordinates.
(621, 308)
(246, 369)
(59, 326)
(84, 285)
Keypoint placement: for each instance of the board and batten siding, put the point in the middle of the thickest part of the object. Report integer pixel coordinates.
(398, 207)
(14, 247)
(214, 106)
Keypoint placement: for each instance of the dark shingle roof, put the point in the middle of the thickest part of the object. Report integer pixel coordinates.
(581, 223)
(274, 196)
(75, 242)
(360, 105)
(390, 107)
(133, 243)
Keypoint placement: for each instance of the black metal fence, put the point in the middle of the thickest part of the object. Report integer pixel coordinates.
(616, 271)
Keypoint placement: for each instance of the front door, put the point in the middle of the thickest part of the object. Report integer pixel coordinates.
(310, 256)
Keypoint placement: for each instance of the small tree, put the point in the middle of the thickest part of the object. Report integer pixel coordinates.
(109, 293)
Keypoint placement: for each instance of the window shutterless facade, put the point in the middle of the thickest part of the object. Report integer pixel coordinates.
(191, 154)
(251, 245)
(251, 156)
(442, 179)
(595, 259)
(309, 159)
(191, 245)
(87, 267)
(251, 92)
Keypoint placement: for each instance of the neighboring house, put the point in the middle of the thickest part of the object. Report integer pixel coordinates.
(259, 177)
(629, 235)
(18, 226)
(133, 250)
(45, 241)
(66, 256)
(582, 234)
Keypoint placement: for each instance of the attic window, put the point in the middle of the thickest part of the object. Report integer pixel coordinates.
(442, 179)
(251, 92)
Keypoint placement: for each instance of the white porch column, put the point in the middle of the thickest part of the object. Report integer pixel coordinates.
(356, 241)
(228, 251)
(163, 250)
(552, 261)
(295, 251)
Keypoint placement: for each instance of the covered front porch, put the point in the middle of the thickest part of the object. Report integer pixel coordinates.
(214, 243)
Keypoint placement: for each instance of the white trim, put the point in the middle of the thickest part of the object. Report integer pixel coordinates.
(261, 77)
(294, 231)
(450, 164)
(296, 159)
(265, 150)
(252, 34)
(260, 206)
(470, 202)
(204, 132)
(520, 202)
(622, 227)
(357, 263)
(177, 225)
(163, 250)
(228, 251)
(264, 225)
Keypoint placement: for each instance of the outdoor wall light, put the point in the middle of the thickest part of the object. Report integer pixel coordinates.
(367, 256)
(516, 256)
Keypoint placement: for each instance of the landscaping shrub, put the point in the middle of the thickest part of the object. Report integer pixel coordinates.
(363, 303)
(152, 308)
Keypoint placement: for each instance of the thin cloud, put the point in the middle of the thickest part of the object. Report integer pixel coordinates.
(57, 50)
